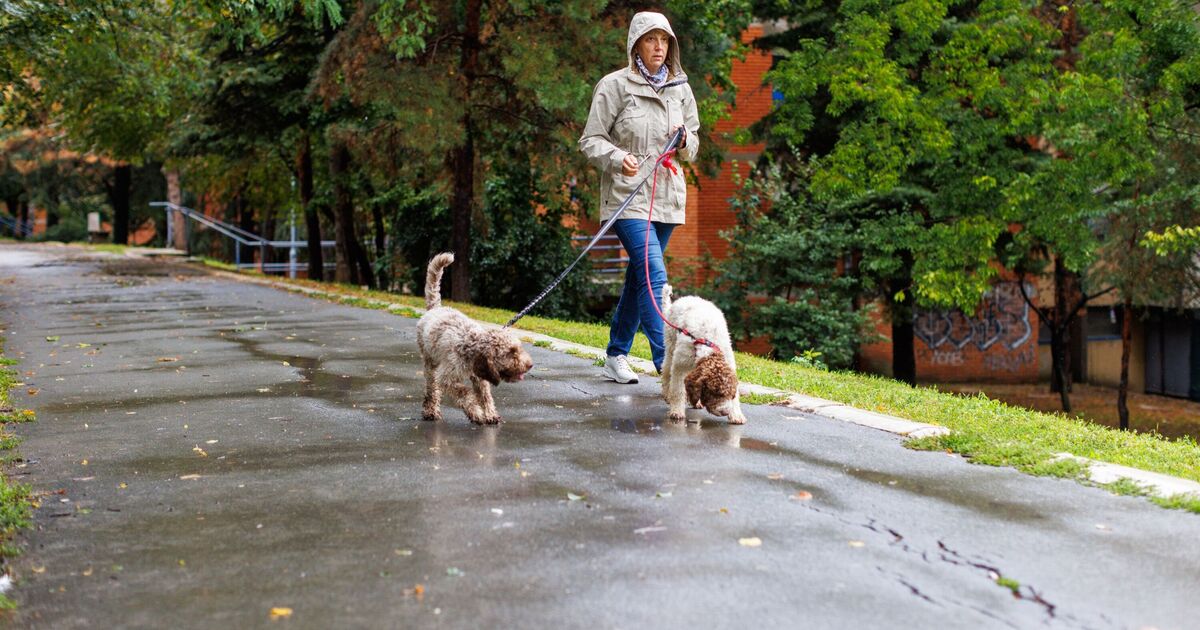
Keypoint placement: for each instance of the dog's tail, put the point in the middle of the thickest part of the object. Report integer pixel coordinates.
(666, 298)
(433, 279)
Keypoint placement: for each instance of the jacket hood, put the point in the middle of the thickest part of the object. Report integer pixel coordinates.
(645, 21)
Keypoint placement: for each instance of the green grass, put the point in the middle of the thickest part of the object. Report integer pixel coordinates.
(111, 248)
(986, 431)
(1009, 584)
(16, 500)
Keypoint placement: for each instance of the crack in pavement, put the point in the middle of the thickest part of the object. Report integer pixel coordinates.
(950, 556)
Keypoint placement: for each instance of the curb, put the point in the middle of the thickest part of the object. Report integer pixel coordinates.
(1157, 484)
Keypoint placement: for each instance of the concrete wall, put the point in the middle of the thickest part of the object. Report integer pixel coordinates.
(1104, 361)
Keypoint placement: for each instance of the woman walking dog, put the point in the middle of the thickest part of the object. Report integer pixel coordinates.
(634, 112)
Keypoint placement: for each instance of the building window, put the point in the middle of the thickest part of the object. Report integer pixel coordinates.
(1104, 322)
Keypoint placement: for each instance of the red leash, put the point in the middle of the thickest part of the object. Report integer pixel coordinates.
(664, 160)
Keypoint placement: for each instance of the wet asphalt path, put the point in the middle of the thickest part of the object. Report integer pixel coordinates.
(214, 449)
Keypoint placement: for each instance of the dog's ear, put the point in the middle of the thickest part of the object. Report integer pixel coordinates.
(484, 368)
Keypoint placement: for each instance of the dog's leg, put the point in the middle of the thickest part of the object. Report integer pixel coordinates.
(465, 396)
(735, 406)
(664, 379)
(675, 393)
(483, 394)
(431, 410)
(735, 411)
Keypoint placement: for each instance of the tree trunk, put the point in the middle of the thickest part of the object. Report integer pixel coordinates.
(178, 221)
(343, 213)
(14, 208)
(366, 277)
(904, 354)
(119, 195)
(463, 163)
(23, 215)
(304, 175)
(1126, 345)
(1059, 375)
(1066, 297)
(381, 246)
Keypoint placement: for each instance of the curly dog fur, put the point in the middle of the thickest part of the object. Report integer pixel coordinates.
(695, 373)
(463, 357)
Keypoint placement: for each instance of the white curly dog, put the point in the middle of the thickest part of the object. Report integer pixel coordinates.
(693, 372)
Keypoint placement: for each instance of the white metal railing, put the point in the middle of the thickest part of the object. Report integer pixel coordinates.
(241, 237)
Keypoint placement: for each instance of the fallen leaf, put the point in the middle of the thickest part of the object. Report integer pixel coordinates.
(724, 510)
(211, 441)
(647, 530)
(857, 543)
(281, 612)
(41, 569)
(32, 391)
(750, 542)
(661, 495)
(574, 497)
(83, 463)
(87, 572)
(199, 451)
(52, 339)
(802, 495)
(454, 572)
(123, 485)
(190, 477)
(404, 552)
(775, 476)
(167, 359)
(83, 345)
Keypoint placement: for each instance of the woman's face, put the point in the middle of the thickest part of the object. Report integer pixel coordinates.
(652, 48)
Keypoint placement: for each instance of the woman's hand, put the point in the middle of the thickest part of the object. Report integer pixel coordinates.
(683, 138)
(629, 167)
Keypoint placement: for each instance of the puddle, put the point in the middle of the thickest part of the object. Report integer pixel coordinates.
(643, 427)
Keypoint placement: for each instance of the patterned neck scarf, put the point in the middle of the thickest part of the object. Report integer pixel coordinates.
(658, 79)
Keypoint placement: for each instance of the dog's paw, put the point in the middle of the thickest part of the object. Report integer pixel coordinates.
(677, 416)
(431, 417)
(493, 419)
(737, 418)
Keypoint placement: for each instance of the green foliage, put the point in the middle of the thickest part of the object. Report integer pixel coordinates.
(518, 252)
(789, 253)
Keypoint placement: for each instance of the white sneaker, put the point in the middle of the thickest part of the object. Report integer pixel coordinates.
(617, 368)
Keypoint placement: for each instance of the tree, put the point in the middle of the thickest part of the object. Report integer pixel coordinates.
(454, 92)
(81, 64)
(913, 117)
(788, 248)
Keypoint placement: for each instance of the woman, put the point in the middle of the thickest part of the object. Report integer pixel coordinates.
(635, 111)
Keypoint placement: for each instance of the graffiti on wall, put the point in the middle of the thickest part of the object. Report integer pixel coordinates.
(1003, 319)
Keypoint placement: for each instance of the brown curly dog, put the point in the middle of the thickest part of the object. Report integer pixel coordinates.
(462, 356)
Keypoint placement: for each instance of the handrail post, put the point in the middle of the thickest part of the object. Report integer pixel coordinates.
(170, 226)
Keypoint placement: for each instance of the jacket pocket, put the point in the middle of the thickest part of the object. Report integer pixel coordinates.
(630, 129)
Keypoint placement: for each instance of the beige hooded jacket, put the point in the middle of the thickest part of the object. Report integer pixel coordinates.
(628, 116)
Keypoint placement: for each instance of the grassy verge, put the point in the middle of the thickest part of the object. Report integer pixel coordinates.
(16, 500)
(984, 430)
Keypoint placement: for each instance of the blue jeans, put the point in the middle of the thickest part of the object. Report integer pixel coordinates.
(634, 308)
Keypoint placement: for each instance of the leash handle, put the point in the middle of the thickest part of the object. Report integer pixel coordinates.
(671, 145)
